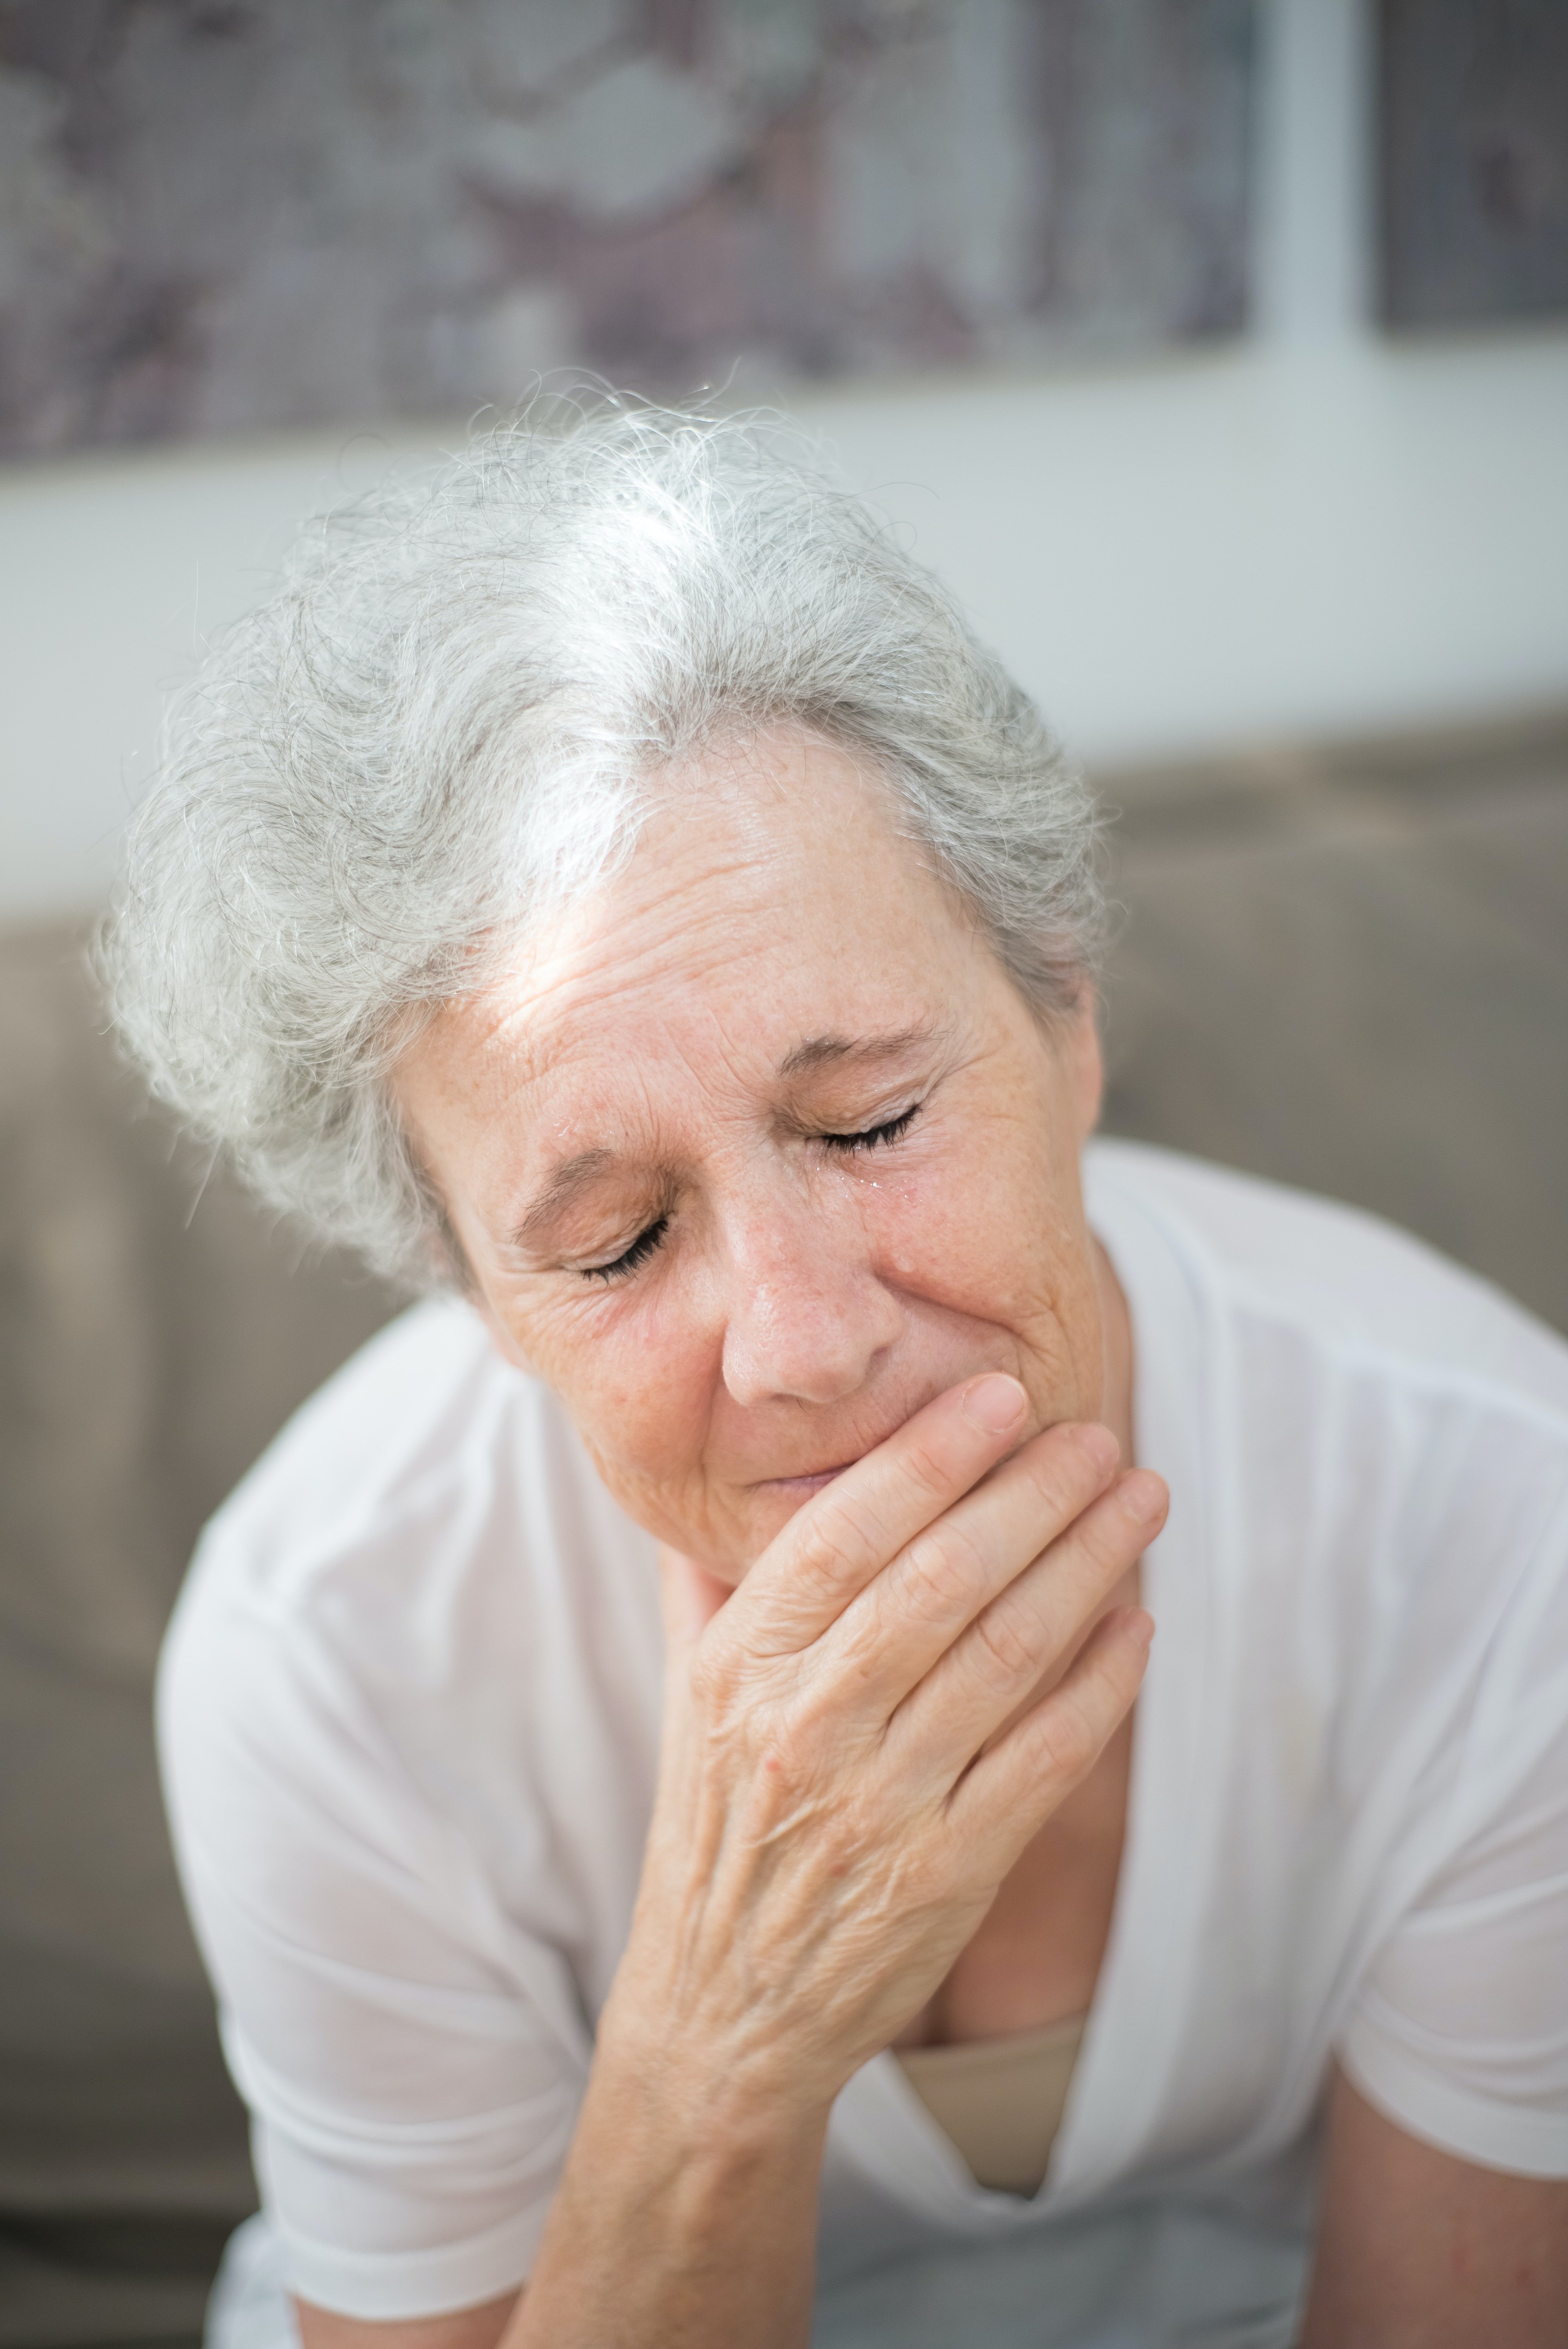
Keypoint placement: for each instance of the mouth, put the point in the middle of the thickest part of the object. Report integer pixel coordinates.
(801, 1488)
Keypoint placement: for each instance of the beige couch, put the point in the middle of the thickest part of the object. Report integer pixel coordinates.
(147, 1353)
(1349, 971)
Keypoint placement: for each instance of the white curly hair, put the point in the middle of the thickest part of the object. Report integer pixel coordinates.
(446, 719)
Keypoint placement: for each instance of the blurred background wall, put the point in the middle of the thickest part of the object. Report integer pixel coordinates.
(1216, 351)
(1229, 418)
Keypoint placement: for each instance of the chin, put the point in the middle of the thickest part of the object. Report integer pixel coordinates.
(771, 1508)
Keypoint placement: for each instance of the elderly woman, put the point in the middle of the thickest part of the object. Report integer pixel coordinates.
(608, 885)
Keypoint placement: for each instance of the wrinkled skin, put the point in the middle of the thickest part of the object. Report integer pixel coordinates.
(846, 1366)
(759, 1158)
(803, 1298)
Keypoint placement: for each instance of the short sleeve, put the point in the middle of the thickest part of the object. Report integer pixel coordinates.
(1459, 2032)
(411, 2071)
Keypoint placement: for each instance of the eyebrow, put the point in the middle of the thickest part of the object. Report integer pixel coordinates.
(826, 1052)
(575, 1174)
(572, 1175)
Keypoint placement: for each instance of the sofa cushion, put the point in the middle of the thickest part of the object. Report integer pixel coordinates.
(154, 1332)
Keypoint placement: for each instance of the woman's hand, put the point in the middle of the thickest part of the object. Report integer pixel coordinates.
(856, 1752)
(844, 1781)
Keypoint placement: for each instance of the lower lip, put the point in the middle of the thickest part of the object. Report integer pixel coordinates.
(802, 1487)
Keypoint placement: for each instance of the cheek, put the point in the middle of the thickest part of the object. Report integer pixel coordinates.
(976, 1228)
(635, 1381)
(994, 1232)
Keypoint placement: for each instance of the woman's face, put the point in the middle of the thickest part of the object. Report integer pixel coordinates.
(758, 1149)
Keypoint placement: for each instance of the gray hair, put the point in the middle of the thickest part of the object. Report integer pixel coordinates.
(443, 721)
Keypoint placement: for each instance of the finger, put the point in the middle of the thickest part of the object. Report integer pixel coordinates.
(1017, 1642)
(847, 1533)
(898, 1629)
(1006, 1798)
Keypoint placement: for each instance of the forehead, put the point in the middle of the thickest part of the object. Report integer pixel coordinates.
(770, 900)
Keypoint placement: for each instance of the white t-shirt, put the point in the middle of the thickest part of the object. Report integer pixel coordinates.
(410, 1710)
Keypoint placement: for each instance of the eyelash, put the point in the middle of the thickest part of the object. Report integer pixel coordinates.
(641, 1249)
(876, 1137)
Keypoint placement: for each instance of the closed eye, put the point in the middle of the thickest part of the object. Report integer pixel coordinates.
(876, 1137)
(873, 1137)
(641, 1249)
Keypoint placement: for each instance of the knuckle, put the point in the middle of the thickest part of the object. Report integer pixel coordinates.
(939, 1566)
(793, 1792)
(833, 1545)
(844, 1840)
(863, 1647)
(785, 1757)
(924, 1878)
(921, 1465)
(1004, 1649)
(816, 1714)
(1110, 1540)
(1067, 1740)
(704, 1677)
(714, 1679)
(1065, 1477)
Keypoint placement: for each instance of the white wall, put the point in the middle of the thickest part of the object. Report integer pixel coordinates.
(1317, 531)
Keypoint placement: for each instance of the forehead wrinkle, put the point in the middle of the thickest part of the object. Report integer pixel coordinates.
(703, 922)
(653, 948)
(534, 1060)
(527, 1025)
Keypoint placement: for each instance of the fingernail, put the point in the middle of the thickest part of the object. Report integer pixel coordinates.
(1143, 1497)
(996, 1404)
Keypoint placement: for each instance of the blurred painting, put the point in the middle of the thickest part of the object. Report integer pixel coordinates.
(1474, 108)
(226, 215)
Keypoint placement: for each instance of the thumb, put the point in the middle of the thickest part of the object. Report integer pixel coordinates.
(691, 1597)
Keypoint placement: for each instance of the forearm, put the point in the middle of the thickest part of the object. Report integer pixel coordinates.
(685, 2217)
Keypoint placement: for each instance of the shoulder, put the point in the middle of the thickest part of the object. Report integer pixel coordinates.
(420, 1446)
(426, 1527)
(1369, 1448)
(422, 1399)
(1342, 1285)
(393, 1673)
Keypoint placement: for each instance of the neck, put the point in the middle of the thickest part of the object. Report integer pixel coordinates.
(1116, 1324)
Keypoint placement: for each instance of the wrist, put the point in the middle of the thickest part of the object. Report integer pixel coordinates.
(716, 2096)
(687, 2209)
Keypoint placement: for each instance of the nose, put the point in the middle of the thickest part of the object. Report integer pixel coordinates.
(807, 1316)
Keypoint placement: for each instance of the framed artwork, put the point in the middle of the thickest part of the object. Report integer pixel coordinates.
(1473, 109)
(234, 215)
